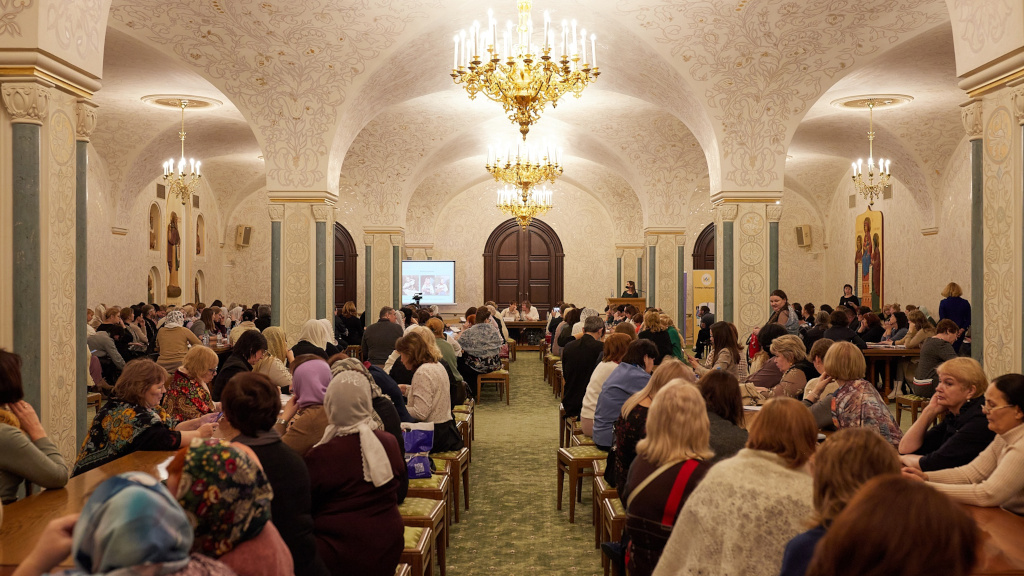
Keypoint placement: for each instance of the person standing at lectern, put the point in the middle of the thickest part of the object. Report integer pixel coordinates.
(630, 291)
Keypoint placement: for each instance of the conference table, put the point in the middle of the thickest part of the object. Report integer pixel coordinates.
(886, 355)
(521, 327)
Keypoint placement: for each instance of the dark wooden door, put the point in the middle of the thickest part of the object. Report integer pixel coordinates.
(704, 249)
(524, 264)
(344, 266)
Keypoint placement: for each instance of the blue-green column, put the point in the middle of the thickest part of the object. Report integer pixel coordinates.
(977, 251)
(726, 259)
(652, 279)
(773, 256)
(276, 219)
(396, 276)
(618, 276)
(321, 269)
(370, 315)
(681, 289)
(86, 115)
(640, 272)
(26, 282)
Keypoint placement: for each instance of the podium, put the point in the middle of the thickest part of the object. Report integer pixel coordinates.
(640, 303)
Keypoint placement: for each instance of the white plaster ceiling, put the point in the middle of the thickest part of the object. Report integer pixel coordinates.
(360, 90)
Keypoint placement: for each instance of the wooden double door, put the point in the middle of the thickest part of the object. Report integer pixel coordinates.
(524, 264)
(345, 257)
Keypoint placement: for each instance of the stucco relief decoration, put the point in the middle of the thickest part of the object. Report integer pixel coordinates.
(61, 279)
(729, 212)
(286, 65)
(297, 278)
(9, 12)
(766, 63)
(971, 116)
(751, 269)
(26, 102)
(85, 114)
(276, 212)
(77, 24)
(322, 213)
(1017, 100)
(774, 212)
(382, 270)
(1000, 300)
(982, 21)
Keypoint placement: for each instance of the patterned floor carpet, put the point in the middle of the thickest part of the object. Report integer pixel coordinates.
(512, 527)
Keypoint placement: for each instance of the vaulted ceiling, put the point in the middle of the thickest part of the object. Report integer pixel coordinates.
(354, 97)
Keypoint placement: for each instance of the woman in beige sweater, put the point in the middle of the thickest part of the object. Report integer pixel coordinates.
(725, 351)
(920, 330)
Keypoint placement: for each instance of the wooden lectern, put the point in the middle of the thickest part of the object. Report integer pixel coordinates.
(640, 303)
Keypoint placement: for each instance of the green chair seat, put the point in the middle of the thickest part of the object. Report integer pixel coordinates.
(426, 483)
(620, 510)
(915, 398)
(417, 507)
(412, 536)
(578, 452)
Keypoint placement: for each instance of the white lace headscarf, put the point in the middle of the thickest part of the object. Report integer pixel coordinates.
(329, 327)
(174, 319)
(349, 410)
(314, 332)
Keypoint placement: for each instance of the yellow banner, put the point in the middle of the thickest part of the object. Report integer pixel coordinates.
(703, 295)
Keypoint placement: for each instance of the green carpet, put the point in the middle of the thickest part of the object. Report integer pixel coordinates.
(512, 527)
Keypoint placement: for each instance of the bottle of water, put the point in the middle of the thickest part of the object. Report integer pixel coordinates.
(206, 339)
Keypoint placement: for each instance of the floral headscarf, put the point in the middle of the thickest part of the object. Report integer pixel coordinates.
(174, 319)
(130, 520)
(349, 409)
(310, 381)
(225, 494)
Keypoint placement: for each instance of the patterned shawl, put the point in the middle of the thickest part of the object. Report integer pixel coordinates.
(225, 494)
(174, 319)
(354, 365)
(114, 429)
(857, 404)
(481, 340)
(186, 398)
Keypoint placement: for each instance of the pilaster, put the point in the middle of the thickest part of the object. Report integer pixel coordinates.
(725, 219)
(971, 116)
(384, 250)
(276, 223)
(666, 267)
(749, 259)
(85, 115)
(324, 217)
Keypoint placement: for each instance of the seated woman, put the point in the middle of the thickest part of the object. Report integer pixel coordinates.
(564, 333)
(631, 425)
(856, 403)
(303, 421)
(740, 516)
(615, 346)
(250, 349)
(963, 432)
(430, 392)
(721, 394)
(725, 351)
(764, 373)
(436, 327)
(188, 393)
(384, 411)
(934, 351)
(824, 385)
(205, 324)
(996, 476)
(791, 359)
(130, 524)
(134, 420)
(312, 340)
(840, 331)
(481, 349)
(817, 332)
(673, 334)
(173, 341)
(356, 473)
(871, 329)
(274, 365)
(654, 331)
(896, 327)
(669, 464)
(950, 548)
(27, 451)
(251, 403)
(628, 378)
(848, 459)
(332, 346)
(226, 496)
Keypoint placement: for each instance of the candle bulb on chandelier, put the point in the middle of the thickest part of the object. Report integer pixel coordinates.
(197, 168)
(547, 25)
(191, 166)
(573, 48)
(583, 45)
(564, 33)
(593, 50)
(462, 43)
(887, 167)
(455, 64)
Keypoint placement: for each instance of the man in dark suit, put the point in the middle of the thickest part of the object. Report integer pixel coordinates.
(579, 358)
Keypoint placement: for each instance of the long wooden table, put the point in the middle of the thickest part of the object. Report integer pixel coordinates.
(886, 354)
(25, 519)
(521, 326)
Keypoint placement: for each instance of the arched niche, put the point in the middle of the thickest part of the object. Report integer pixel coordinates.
(155, 227)
(200, 236)
(154, 286)
(198, 287)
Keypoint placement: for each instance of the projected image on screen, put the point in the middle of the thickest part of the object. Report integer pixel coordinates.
(434, 279)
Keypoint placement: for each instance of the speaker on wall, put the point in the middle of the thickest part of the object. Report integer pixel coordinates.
(161, 191)
(803, 236)
(243, 236)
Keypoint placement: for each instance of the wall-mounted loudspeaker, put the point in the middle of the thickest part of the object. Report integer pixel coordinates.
(803, 236)
(243, 236)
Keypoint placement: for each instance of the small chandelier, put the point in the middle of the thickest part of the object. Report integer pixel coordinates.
(181, 183)
(524, 203)
(867, 186)
(521, 74)
(529, 166)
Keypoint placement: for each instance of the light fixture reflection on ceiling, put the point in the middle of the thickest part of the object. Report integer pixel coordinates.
(179, 182)
(524, 204)
(522, 73)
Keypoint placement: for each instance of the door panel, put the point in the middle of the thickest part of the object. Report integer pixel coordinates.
(704, 249)
(345, 257)
(522, 264)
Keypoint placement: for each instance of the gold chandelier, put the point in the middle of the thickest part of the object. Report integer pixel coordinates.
(522, 75)
(529, 166)
(867, 186)
(179, 182)
(524, 203)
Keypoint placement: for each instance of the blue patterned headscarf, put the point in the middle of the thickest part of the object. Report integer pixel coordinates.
(131, 520)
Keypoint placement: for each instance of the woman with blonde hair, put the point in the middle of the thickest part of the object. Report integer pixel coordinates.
(956, 308)
(791, 359)
(747, 507)
(673, 334)
(188, 392)
(653, 330)
(670, 462)
(275, 364)
(847, 460)
(631, 425)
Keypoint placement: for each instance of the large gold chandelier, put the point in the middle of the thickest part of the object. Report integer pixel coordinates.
(524, 203)
(867, 186)
(529, 166)
(522, 75)
(179, 182)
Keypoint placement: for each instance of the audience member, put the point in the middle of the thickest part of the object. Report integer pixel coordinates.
(384, 409)
(173, 341)
(840, 331)
(764, 373)
(436, 327)
(822, 322)
(429, 394)
(725, 351)
(263, 318)
(783, 313)
(579, 360)
(746, 508)
(350, 318)
(188, 392)
(628, 378)
(614, 348)
(249, 350)
(563, 333)
(481, 349)
(871, 329)
(896, 327)
(379, 339)
(247, 322)
(856, 403)
(963, 432)
(654, 331)
(790, 358)
(313, 338)
(726, 418)
(956, 308)
(669, 464)
(274, 364)
(824, 385)
(934, 351)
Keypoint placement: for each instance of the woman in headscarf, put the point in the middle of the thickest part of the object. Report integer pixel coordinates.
(226, 496)
(133, 420)
(131, 524)
(481, 349)
(313, 338)
(173, 341)
(384, 410)
(275, 364)
(188, 392)
(235, 316)
(333, 345)
(303, 421)
(355, 473)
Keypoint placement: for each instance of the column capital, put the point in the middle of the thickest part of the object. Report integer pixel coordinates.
(1017, 100)
(729, 212)
(27, 102)
(971, 116)
(322, 212)
(276, 212)
(774, 212)
(85, 112)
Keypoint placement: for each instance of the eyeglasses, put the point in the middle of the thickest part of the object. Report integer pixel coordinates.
(987, 409)
(212, 370)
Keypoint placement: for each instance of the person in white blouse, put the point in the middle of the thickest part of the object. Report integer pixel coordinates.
(528, 312)
(512, 312)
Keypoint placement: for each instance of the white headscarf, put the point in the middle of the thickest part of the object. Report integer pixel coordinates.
(174, 319)
(349, 408)
(330, 331)
(313, 331)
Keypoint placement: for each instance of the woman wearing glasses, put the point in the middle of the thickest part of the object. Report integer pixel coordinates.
(996, 476)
